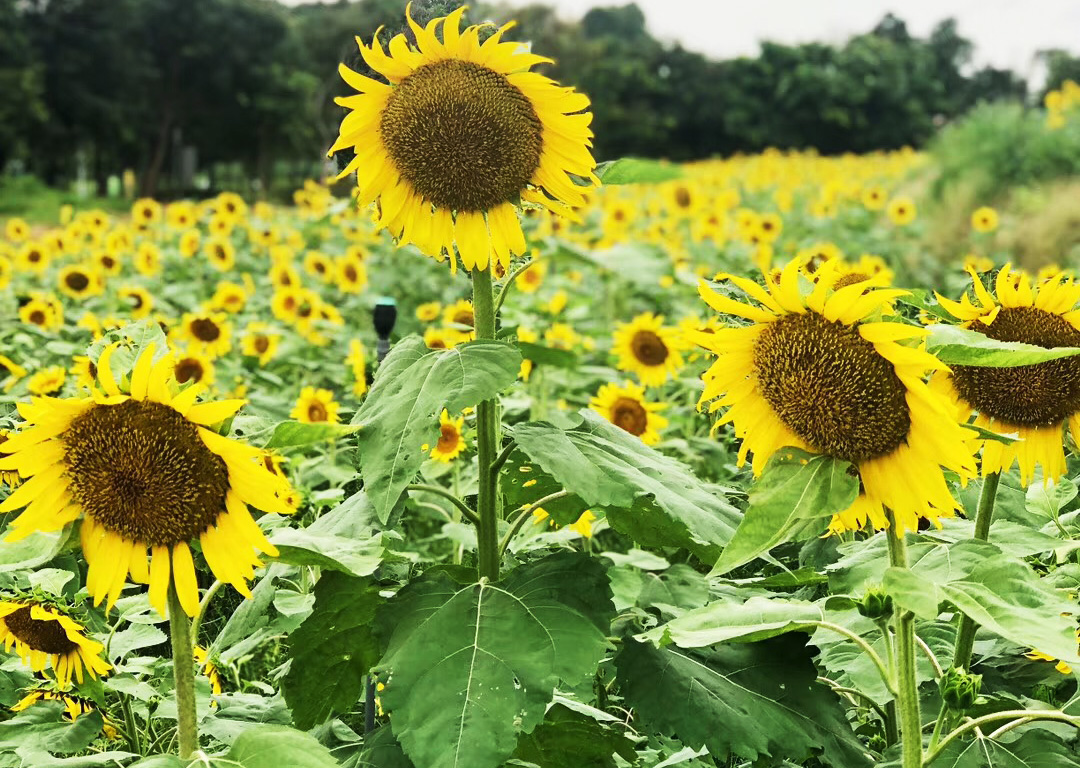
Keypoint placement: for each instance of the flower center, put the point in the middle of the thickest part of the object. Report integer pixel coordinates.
(261, 343)
(39, 634)
(77, 281)
(465, 317)
(1027, 395)
(630, 415)
(448, 437)
(205, 329)
(37, 317)
(188, 369)
(830, 387)
(316, 411)
(850, 279)
(462, 135)
(141, 470)
(649, 348)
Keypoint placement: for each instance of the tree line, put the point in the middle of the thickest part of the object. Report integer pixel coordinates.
(131, 83)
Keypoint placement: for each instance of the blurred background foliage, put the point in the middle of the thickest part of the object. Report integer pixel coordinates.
(243, 89)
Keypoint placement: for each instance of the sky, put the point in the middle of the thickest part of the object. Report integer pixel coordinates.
(1006, 33)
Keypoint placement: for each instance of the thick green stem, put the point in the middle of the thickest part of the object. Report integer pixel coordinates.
(183, 676)
(965, 633)
(907, 686)
(487, 440)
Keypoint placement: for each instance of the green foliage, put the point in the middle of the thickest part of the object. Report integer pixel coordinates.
(292, 434)
(758, 618)
(1034, 749)
(42, 725)
(570, 739)
(631, 170)
(469, 668)
(401, 412)
(335, 646)
(959, 346)
(795, 492)
(647, 495)
(764, 694)
(274, 746)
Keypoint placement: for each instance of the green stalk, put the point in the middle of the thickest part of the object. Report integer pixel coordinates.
(487, 438)
(906, 682)
(965, 633)
(183, 676)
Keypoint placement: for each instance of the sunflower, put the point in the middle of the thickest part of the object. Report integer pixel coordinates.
(442, 338)
(1032, 401)
(44, 311)
(984, 219)
(428, 312)
(202, 658)
(78, 281)
(319, 265)
(459, 313)
(16, 230)
(41, 635)
(148, 259)
(47, 381)
(11, 371)
(107, 263)
(531, 278)
(189, 243)
(450, 443)
(458, 136)
(357, 362)
(143, 471)
(258, 341)
(74, 707)
(192, 367)
(208, 332)
(351, 275)
(627, 408)
(145, 211)
(818, 372)
(582, 526)
(138, 298)
(315, 406)
(901, 211)
(220, 253)
(228, 296)
(33, 257)
(645, 347)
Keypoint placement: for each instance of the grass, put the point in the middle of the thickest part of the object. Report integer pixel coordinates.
(28, 198)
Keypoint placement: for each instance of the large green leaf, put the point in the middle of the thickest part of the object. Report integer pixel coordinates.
(38, 758)
(1001, 594)
(1036, 748)
(959, 346)
(341, 539)
(788, 502)
(569, 739)
(275, 746)
(36, 549)
(469, 668)
(292, 434)
(651, 497)
(755, 619)
(401, 412)
(633, 170)
(43, 725)
(382, 750)
(334, 646)
(749, 699)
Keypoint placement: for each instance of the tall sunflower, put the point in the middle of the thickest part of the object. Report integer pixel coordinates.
(1032, 401)
(459, 134)
(820, 372)
(144, 472)
(42, 635)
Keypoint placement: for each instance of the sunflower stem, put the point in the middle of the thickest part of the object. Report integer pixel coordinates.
(183, 676)
(965, 633)
(487, 439)
(907, 686)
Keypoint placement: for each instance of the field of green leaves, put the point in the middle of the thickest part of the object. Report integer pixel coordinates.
(710, 465)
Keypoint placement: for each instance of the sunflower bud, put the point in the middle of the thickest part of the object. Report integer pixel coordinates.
(959, 689)
(876, 604)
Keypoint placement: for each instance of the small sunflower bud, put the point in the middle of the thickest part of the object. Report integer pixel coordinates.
(876, 604)
(959, 689)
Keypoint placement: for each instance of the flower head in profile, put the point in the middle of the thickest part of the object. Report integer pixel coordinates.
(458, 135)
(825, 372)
(42, 635)
(1034, 402)
(147, 475)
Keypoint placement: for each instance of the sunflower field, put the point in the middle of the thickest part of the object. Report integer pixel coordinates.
(486, 455)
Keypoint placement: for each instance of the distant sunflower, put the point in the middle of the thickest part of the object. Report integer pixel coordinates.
(627, 408)
(451, 443)
(818, 372)
(984, 219)
(74, 707)
(530, 280)
(47, 381)
(41, 634)
(190, 367)
(428, 312)
(645, 347)
(259, 341)
(44, 311)
(316, 406)
(221, 254)
(32, 257)
(148, 259)
(357, 362)
(460, 133)
(351, 275)
(1032, 401)
(139, 299)
(228, 296)
(319, 265)
(78, 281)
(459, 313)
(209, 333)
(10, 371)
(144, 472)
(901, 211)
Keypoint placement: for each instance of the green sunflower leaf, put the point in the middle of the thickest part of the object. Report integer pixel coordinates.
(959, 346)
(569, 739)
(334, 646)
(746, 699)
(43, 724)
(291, 434)
(789, 502)
(276, 746)
(633, 170)
(401, 412)
(1036, 748)
(758, 618)
(649, 496)
(470, 668)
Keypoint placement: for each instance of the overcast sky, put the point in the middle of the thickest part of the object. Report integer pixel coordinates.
(1006, 33)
